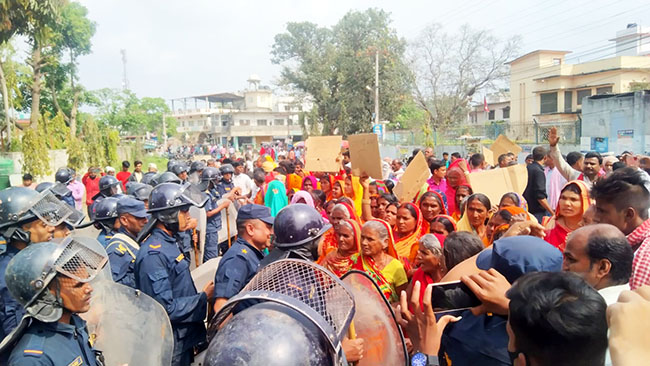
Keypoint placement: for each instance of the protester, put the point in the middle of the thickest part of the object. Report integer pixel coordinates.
(408, 231)
(430, 262)
(348, 236)
(397, 170)
(456, 176)
(475, 217)
(535, 192)
(28, 181)
(462, 192)
(91, 182)
(276, 197)
(459, 246)
(78, 190)
(591, 170)
(574, 203)
(431, 204)
(442, 225)
(437, 182)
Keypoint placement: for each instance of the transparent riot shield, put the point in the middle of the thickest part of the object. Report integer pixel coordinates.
(205, 272)
(128, 326)
(201, 218)
(375, 322)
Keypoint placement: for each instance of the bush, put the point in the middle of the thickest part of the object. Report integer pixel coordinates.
(36, 160)
(76, 153)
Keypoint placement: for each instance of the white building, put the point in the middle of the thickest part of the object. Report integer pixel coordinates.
(252, 116)
(634, 40)
(498, 109)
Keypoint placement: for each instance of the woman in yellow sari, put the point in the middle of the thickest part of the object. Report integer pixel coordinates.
(475, 216)
(348, 235)
(408, 231)
(377, 258)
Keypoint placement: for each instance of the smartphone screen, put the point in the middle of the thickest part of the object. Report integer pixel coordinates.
(452, 296)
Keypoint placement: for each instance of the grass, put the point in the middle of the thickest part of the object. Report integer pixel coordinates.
(161, 162)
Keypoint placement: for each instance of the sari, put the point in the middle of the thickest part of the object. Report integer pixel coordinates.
(442, 201)
(556, 234)
(337, 263)
(496, 233)
(312, 179)
(451, 219)
(330, 242)
(464, 225)
(259, 196)
(407, 247)
(451, 192)
(328, 178)
(294, 181)
(276, 197)
(390, 277)
(306, 196)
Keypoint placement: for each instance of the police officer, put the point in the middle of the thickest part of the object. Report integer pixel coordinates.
(180, 169)
(20, 225)
(209, 182)
(108, 186)
(64, 176)
(139, 191)
(122, 248)
(196, 168)
(60, 191)
(162, 272)
(52, 333)
(240, 263)
(226, 185)
(105, 219)
(164, 177)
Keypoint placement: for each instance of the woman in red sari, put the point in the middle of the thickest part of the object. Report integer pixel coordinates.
(341, 211)
(574, 202)
(408, 231)
(326, 185)
(430, 261)
(377, 258)
(339, 261)
(431, 205)
(455, 177)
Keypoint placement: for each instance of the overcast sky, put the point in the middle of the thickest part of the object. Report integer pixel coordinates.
(189, 47)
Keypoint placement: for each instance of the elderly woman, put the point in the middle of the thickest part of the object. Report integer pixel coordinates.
(341, 211)
(348, 235)
(378, 259)
(430, 260)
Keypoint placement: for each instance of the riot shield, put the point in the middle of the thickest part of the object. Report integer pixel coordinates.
(375, 322)
(205, 272)
(201, 218)
(128, 326)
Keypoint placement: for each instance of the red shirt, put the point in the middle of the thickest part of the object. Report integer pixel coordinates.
(92, 188)
(123, 177)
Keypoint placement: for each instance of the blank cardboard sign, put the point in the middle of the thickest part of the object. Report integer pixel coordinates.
(322, 152)
(495, 183)
(415, 175)
(503, 145)
(489, 156)
(364, 155)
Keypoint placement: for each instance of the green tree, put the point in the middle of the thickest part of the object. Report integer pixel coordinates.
(93, 144)
(335, 66)
(36, 160)
(10, 72)
(76, 152)
(110, 140)
(410, 116)
(54, 131)
(124, 111)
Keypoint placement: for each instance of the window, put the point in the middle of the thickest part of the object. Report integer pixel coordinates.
(491, 115)
(289, 122)
(557, 61)
(191, 124)
(278, 122)
(506, 112)
(568, 101)
(261, 122)
(287, 108)
(583, 93)
(604, 90)
(548, 102)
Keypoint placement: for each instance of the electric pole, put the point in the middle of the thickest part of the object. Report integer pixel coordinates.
(125, 81)
(377, 86)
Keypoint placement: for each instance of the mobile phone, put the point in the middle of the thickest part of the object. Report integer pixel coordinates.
(452, 296)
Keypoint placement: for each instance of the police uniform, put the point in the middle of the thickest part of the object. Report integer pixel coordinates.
(162, 272)
(10, 310)
(236, 268)
(68, 199)
(213, 225)
(225, 187)
(55, 344)
(104, 237)
(123, 249)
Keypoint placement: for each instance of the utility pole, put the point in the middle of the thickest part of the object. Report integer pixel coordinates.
(125, 81)
(164, 132)
(377, 86)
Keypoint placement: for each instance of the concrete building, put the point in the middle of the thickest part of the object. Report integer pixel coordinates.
(252, 116)
(634, 40)
(498, 109)
(616, 122)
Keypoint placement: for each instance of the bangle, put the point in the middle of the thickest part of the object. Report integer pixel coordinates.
(365, 201)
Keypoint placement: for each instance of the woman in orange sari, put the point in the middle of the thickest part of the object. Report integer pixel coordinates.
(326, 183)
(408, 231)
(341, 211)
(500, 222)
(431, 204)
(339, 261)
(377, 258)
(569, 215)
(338, 188)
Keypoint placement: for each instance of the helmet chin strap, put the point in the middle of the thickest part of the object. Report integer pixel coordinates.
(18, 234)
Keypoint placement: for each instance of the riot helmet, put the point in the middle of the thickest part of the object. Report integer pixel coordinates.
(197, 166)
(296, 225)
(147, 177)
(227, 169)
(179, 169)
(64, 176)
(21, 205)
(168, 199)
(108, 186)
(165, 177)
(139, 190)
(32, 269)
(170, 164)
(105, 213)
(209, 175)
(58, 188)
(43, 186)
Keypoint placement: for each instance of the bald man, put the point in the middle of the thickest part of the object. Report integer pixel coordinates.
(601, 255)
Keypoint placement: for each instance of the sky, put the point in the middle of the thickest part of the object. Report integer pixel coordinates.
(192, 47)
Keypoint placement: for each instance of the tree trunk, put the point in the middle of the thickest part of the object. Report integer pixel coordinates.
(5, 100)
(73, 113)
(36, 85)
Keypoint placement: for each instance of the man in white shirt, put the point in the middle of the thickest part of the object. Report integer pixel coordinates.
(241, 179)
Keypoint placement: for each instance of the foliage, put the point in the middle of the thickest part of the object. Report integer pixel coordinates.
(54, 131)
(410, 116)
(336, 65)
(23, 16)
(451, 68)
(124, 111)
(110, 139)
(76, 153)
(36, 160)
(639, 85)
(15, 144)
(93, 144)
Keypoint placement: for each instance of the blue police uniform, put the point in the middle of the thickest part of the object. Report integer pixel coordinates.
(68, 199)
(213, 225)
(236, 268)
(104, 237)
(10, 310)
(225, 187)
(162, 273)
(54, 344)
(121, 256)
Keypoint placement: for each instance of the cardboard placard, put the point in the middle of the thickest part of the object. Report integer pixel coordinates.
(322, 152)
(495, 183)
(364, 155)
(415, 175)
(503, 145)
(489, 156)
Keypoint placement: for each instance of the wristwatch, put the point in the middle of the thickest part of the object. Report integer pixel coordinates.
(420, 359)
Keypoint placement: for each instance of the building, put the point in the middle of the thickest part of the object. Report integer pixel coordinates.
(616, 122)
(250, 117)
(498, 105)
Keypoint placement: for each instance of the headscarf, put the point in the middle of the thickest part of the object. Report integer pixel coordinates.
(329, 242)
(451, 192)
(309, 200)
(368, 265)
(464, 225)
(451, 219)
(357, 189)
(312, 179)
(407, 247)
(276, 197)
(557, 234)
(513, 210)
(334, 261)
(442, 201)
(330, 180)
(584, 196)
(381, 187)
(294, 181)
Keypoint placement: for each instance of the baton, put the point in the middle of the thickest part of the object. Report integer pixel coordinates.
(228, 227)
(352, 334)
(196, 249)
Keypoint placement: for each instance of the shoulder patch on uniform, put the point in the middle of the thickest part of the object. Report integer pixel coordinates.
(121, 248)
(154, 246)
(244, 251)
(33, 352)
(109, 236)
(76, 362)
(180, 257)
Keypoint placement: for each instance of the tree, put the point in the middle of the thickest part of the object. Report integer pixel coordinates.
(334, 66)
(639, 85)
(450, 69)
(124, 111)
(410, 116)
(10, 72)
(22, 16)
(36, 160)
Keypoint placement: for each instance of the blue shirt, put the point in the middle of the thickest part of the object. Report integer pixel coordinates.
(104, 237)
(236, 268)
(10, 310)
(162, 273)
(213, 224)
(225, 187)
(121, 256)
(55, 344)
